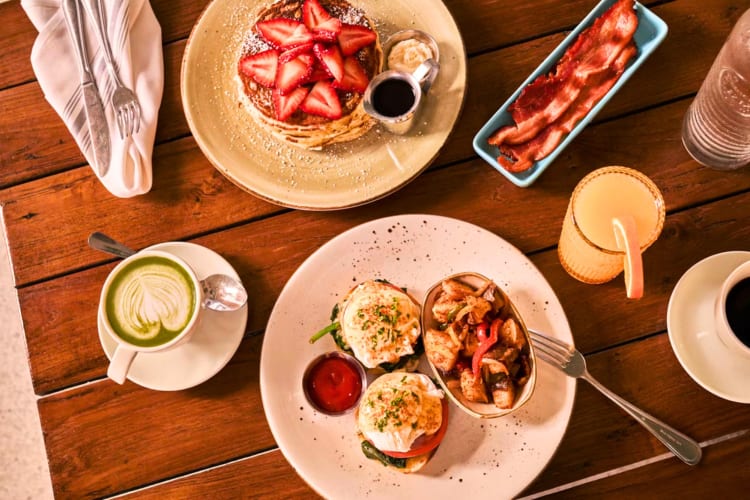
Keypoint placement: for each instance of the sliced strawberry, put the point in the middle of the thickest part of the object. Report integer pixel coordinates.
(327, 31)
(285, 105)
(290, 54)
(314, 14)
(330, 58)
(261, 67)
(284, 33)
(353, 37)
(319, 73)
(292, 74)
(355, 78)
(322, 101)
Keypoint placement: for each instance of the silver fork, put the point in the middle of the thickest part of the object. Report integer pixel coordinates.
(571, 362)
(124, 101)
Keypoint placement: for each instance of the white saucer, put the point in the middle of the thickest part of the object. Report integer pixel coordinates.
(691, 332)
(211, 346)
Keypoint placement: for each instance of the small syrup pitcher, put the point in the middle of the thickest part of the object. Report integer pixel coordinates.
(393, 97)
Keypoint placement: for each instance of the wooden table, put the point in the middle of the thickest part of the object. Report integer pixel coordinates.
(213, 440)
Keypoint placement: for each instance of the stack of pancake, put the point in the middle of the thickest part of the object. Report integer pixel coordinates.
(305, 129)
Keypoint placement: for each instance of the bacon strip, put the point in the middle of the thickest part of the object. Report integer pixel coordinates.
(548, 97)
(547, 140)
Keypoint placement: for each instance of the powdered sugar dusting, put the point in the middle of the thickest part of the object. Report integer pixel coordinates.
(349, 15)
(254, 44)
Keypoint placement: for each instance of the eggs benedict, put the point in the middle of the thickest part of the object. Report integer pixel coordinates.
(379, 324)
(401, 419)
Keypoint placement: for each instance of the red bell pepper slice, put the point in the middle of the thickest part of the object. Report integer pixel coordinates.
(485, 343)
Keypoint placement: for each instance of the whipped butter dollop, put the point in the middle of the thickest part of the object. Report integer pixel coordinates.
(151, 301)
(407, 55)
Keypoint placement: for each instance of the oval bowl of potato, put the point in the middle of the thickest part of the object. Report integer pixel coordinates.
(477, 345)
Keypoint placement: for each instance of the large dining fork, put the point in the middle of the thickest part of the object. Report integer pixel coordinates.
(124, 101)
(571, 362)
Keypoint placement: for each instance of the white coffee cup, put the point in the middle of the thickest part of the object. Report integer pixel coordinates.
(164, 297)
(723, 328)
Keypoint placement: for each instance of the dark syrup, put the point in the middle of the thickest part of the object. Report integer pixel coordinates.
(393, 97)
(738, 310)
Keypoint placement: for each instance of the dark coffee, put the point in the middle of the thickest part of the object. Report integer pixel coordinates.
(393, 97)
(738, 310)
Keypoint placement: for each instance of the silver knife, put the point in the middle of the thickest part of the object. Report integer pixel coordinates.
(97, 120)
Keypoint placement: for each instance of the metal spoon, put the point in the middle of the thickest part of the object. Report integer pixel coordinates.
(220, 292)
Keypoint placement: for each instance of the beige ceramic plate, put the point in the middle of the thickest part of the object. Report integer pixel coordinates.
(478, 459)
(342, 175)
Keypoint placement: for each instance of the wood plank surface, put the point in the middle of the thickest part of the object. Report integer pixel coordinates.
(720, 473)
(53, 149)
(176, 18)
(182, 172)
(32, 210)
(268, 475)
(213, 441)
(87, 429)
(531, 227)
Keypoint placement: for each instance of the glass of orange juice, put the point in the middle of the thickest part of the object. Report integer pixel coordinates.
(614, 214)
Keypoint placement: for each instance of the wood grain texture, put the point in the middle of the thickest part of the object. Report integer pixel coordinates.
(267, 252)
(176, 18)
(108, 437)
(668, 478)
(268, 475)
(33, 210)
(213, 440)
(100, 436)
(720, 473)
(500, 72)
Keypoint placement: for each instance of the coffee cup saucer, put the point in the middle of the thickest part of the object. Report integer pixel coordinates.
(690, 322)
(209, 349)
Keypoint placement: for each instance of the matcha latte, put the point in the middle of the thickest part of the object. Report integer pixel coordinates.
(150, 301)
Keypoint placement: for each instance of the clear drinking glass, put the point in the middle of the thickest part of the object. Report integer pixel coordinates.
(716, 127)
(589, 249)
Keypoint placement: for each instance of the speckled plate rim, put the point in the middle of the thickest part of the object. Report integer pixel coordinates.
(358, 172)
(411, 251)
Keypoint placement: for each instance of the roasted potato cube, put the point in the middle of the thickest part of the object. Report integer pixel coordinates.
(503, 391)
(472, 387)
(511, 334)
(456, 291)
(505, 354)
(441, 349)
(442, 310)
(478, 308)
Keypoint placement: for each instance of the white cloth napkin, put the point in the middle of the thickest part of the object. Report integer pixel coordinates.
(135, 37)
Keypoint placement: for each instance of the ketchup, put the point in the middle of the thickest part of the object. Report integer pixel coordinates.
(334, 384)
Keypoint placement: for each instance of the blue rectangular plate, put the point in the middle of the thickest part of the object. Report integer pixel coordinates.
(649, 34)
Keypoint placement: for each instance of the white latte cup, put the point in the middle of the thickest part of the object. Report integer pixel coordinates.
(150, 302)
(723, 328)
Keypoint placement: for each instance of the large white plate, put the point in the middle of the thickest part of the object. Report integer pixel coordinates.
(342, 175)
(478, 458)
(694, 340)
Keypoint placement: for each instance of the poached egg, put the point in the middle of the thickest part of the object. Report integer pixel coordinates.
(398, 408)
(380, 323)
